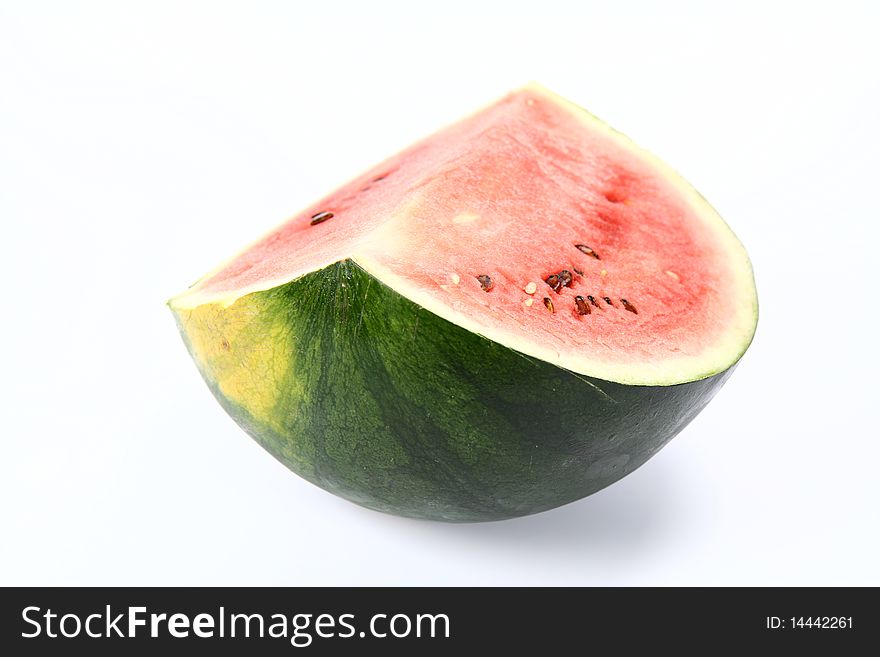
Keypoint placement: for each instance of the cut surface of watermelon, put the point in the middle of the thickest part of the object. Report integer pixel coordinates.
(538, 226)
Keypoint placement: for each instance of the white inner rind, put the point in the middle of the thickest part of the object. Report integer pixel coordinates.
(716, 357)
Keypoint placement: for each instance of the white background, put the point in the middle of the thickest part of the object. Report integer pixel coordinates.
(141, 144)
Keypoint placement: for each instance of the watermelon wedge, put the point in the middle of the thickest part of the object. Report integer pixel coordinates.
(503, 318)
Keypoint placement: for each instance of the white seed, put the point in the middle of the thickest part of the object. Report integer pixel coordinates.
(465, 218)
(604, 272)
(528, 302)
(531, 287)
(672, 275)
(455, 278)
(530, 101)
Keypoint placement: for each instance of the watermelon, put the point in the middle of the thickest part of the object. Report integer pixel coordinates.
(505, 317)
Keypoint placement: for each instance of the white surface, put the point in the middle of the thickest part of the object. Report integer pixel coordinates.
(142, 144)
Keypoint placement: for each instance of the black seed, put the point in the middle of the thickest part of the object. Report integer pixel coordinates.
(565, 278)
(553, 281)
(607, 300)
(578, 271)
(548, 304)
(581, 305)
(320, 217)
(593, 300)
(629, 306)
(485, 282)
(583, 248)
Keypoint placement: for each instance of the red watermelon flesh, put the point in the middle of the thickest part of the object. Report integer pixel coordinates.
(536, 225)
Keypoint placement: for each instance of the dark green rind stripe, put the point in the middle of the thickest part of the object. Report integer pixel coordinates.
(394, 408)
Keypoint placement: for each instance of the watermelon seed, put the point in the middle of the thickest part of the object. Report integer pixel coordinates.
(529, 302)
(629, 306)
(373, 181)
(553, 281)
(582, 307)
(583, 248)
(320, 217)
(608, 301)
(485, 282)
(578, 271)
(455, 278)
(465, 218)
(530, 288)
(593, 300)
(548, 304)
(565, 278)
(225, 344)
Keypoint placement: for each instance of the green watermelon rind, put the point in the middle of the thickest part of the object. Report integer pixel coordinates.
(397, 409)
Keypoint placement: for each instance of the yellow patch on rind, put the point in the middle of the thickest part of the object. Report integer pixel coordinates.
(245, 352)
